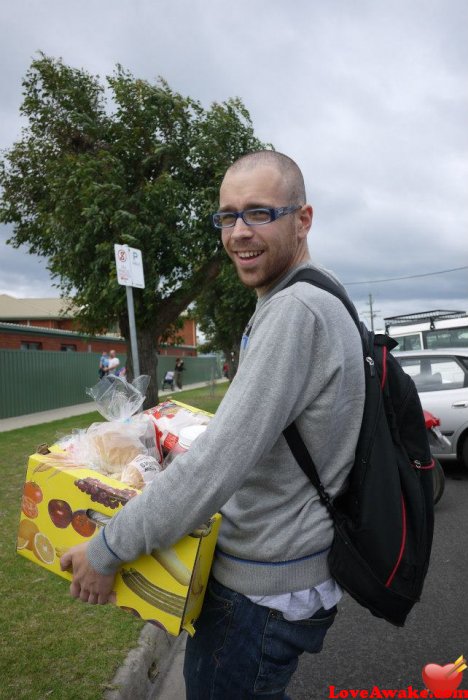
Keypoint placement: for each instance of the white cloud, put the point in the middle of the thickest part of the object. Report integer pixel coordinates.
(369, 97)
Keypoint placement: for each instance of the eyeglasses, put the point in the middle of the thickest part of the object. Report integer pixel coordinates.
(251, 217)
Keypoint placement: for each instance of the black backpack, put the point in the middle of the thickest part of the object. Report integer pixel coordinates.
(384, 519)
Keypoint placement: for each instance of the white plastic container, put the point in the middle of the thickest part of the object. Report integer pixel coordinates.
(186, 437)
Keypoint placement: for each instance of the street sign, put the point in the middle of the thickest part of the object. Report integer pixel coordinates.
(136, 268)
(129, 264)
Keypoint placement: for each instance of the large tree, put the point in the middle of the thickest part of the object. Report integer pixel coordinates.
(120, 161)
(222, 310)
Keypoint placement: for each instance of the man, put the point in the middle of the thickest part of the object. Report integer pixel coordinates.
(103, 365)
(178, 369)
(271, 595)
(114, 362)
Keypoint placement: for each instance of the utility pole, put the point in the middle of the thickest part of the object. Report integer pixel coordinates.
(371, 313)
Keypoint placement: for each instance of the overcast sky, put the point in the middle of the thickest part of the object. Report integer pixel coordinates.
(370, 98)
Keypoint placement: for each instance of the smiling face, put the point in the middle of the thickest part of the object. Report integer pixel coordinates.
(263, 253)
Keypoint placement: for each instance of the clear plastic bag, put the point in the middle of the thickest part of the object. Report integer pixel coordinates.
(126, 443)
(118, 400)
(110, 447)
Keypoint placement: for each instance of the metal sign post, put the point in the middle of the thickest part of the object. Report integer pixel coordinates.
(132, 326)
(129, 263)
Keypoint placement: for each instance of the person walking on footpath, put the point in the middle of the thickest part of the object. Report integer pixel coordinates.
(103, 365)
(270, 596)
(178, 369)
(114, 362)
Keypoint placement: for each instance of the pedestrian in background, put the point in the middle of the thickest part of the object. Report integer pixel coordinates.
(178, 369)
(114, 362)
(103, 365)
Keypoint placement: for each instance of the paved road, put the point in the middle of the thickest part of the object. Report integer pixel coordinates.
(361, 651)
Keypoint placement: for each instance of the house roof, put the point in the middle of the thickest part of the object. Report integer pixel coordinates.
(15, 309)
(39, 330)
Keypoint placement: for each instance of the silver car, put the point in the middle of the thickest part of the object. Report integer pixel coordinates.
(441, 377)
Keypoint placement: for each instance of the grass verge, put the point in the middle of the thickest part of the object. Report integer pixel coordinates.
(52, 646)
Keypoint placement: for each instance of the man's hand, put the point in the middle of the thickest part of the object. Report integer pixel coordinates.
(87, 585)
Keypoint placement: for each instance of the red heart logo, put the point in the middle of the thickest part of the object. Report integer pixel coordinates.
(442, 680)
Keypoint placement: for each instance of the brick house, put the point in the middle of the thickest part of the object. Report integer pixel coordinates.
(47, 324)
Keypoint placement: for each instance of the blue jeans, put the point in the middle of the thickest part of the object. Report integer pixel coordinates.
(242, 650)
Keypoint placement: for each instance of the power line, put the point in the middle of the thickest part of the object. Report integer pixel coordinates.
(407, 277)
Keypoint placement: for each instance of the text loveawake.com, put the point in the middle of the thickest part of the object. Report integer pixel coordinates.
(377, 692)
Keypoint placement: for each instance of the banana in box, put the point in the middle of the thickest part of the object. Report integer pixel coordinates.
(64, 507)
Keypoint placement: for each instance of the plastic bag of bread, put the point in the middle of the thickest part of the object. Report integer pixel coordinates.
(109, 447)
(140, 471)
(118, 400)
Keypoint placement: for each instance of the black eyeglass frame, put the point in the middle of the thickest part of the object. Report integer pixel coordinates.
(274, 212)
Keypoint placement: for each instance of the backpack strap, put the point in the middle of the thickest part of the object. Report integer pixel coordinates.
(291, 432)
(306, 463)
(323, 281)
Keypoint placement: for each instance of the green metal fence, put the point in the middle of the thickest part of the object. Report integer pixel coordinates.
(197, 369)
(32, 381)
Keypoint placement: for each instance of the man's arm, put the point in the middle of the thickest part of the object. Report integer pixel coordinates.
(267, 393)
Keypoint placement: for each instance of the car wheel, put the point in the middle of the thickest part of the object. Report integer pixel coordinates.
(438, 481)
(464, 454)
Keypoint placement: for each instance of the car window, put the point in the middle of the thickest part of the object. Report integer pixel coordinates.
(410, 365)
(450, 371)
(409, 342)
(434, 373)
(447, 338)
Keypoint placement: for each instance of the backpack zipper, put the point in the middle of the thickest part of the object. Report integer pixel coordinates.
(417, 464)
(371, 364)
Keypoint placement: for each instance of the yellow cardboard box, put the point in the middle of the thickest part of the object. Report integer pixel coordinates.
(64, 507)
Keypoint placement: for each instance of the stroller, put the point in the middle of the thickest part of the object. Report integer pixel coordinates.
(168, 381)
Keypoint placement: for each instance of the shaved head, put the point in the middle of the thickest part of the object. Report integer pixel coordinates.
(289, 170)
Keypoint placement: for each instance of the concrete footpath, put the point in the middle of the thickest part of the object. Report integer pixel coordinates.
(153, 669)
(29, 419)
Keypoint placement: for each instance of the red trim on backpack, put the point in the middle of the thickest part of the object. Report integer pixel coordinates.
(402, 546)
(384, 367)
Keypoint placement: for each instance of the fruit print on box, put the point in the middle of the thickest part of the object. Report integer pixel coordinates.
(64, 507)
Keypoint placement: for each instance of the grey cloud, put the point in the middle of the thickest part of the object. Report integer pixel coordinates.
(369, 98)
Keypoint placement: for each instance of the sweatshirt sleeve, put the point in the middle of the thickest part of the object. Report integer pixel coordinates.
(273, 385)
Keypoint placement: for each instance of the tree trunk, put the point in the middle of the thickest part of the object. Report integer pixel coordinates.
(147, 356)
(168, 311)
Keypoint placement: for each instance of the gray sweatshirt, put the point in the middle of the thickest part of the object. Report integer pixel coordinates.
(302, 361)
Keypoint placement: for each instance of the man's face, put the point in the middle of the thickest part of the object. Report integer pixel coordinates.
(263, 253)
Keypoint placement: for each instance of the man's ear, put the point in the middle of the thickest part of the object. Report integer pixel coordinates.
(305, 220)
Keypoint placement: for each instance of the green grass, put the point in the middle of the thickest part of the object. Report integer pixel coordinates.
(52, 646)
(208, 398)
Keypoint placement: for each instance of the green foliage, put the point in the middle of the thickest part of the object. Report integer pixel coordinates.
(222, 311)
(125, 161)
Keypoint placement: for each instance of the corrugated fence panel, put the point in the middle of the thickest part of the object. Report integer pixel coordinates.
(197, 369)
(32, 381)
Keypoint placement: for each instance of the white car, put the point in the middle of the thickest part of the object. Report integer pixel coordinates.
(441, 378)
